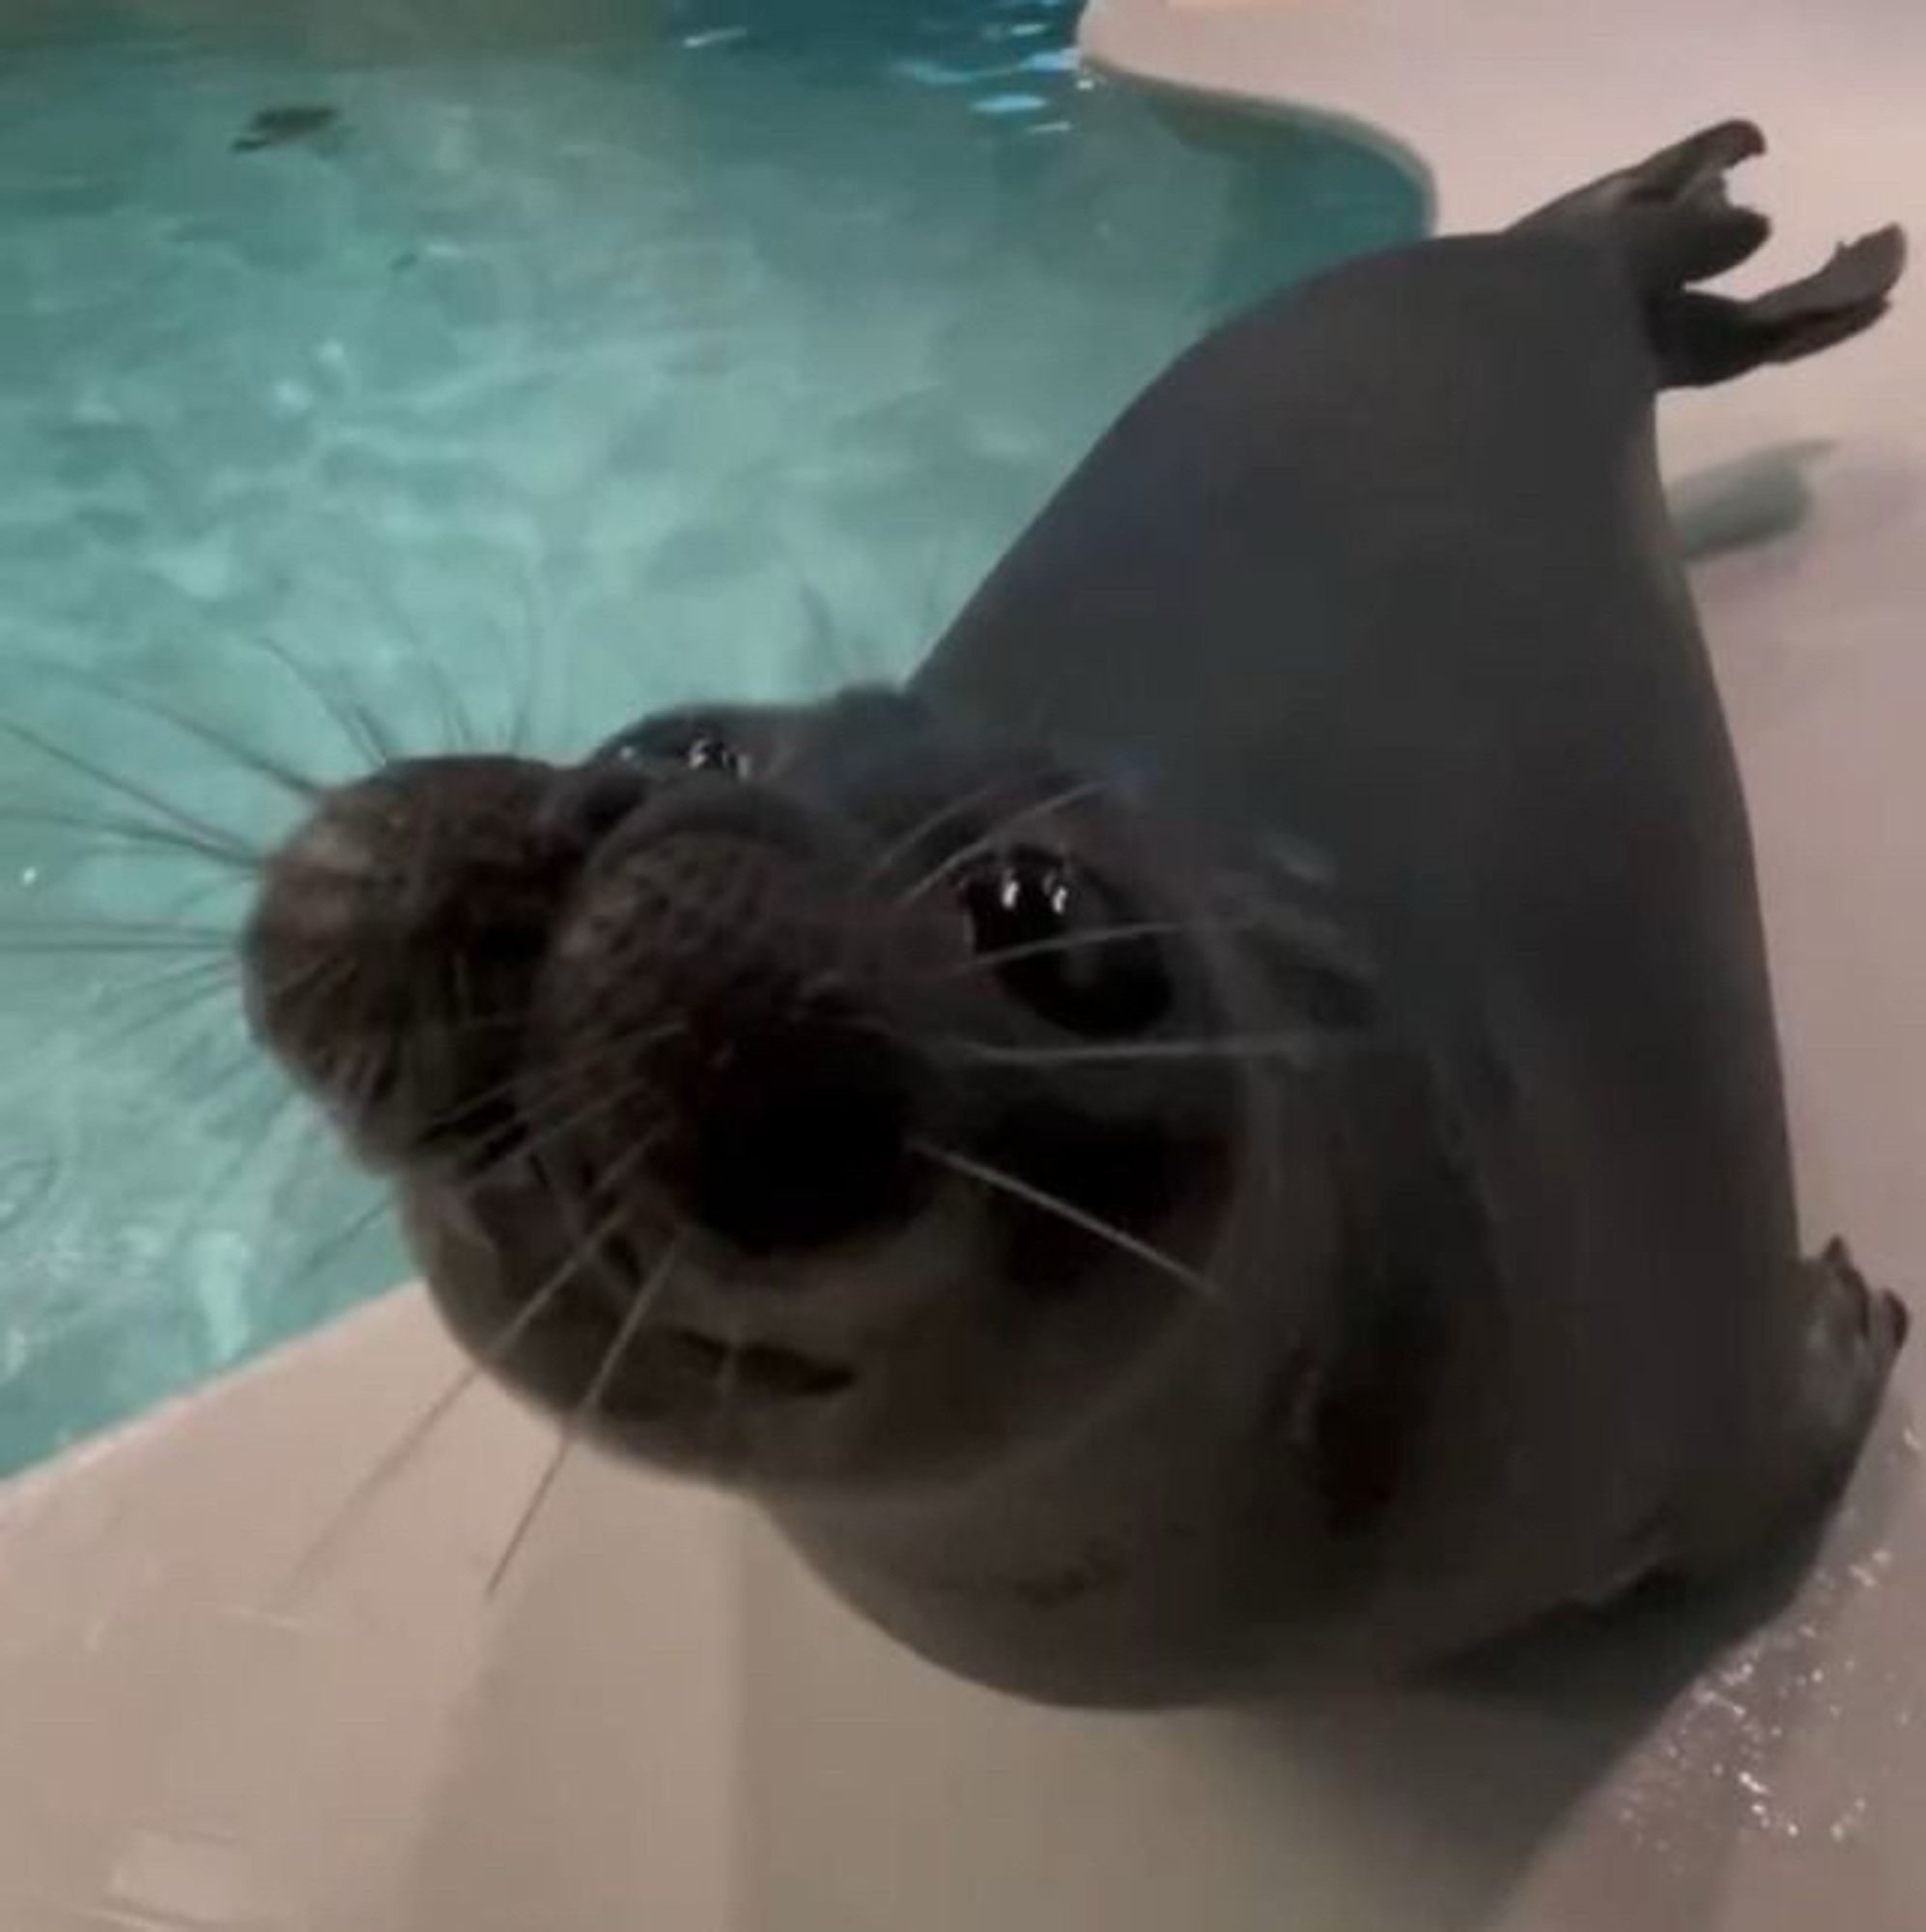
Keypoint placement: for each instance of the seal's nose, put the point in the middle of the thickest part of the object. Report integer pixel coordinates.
(794, 1134)
(724, 985)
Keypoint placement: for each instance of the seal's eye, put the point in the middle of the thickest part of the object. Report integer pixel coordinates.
(1064, 945)
(702, 748)
(710, 751)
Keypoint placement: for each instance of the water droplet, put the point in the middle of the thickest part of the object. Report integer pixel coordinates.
(1754, 1783)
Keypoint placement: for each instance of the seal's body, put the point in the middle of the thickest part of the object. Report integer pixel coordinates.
(1235, 1125)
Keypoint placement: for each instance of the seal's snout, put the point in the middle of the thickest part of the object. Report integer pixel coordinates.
(391, 953)
(716, 988)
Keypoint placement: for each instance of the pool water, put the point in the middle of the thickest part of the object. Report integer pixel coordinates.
(451, 364)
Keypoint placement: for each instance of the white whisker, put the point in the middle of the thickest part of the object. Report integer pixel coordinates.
(115, 832)
(1107, 935)
(978, 848)
(213, 736)
(1000, 1182)
(587, 1409)
(211, 836)
(1309, 1047)
(931, 822)
(351, 720)
(396, 1457)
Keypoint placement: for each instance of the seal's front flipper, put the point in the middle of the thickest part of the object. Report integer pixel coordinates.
(1703, 338)
(1853, 1336)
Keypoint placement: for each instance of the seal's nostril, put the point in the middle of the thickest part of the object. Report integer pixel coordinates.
(730, 994)
(799, 1136)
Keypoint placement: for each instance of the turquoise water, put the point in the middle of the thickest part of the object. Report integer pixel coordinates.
(580, 355)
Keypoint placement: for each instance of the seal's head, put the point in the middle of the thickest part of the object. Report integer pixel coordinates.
(800, 1097)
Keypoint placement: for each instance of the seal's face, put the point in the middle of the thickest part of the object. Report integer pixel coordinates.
(776, 1094)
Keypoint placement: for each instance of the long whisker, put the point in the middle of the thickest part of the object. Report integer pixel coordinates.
(197, 1047)
(173, 995)
(1094, 936)
(198, 979)
(113, 937)
(211, 835)
(399, 1453)
(240, 1062)
(557, 1085)
(934, 822)
(166, 839)
(254, 1147)
(728, 1379)
(356, 723)
(441, 688)
(590, 1404)
(949, 867)
(1000, 1182)
(1308, 1046)
(338, 1243)
(261, 763)
(287, 1098)
(525, 679)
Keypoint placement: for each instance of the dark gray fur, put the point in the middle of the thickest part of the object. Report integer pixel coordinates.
(1465, 1282)
(1384, 567)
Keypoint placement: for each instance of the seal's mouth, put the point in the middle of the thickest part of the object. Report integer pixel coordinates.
(756, 1369)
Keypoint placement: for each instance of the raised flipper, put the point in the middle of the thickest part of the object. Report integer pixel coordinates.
(1672, 222)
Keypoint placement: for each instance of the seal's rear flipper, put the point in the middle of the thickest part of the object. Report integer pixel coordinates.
(1668, 216)
(1702, 338)
(1669, 220)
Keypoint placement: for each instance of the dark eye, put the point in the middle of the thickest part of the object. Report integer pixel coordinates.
(710, 751)
(705, 749)
(1064, 945)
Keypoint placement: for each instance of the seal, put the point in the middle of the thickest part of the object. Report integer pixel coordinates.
(1231, 1125)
